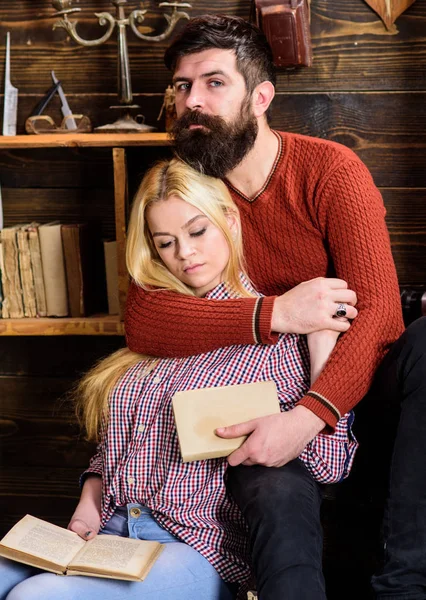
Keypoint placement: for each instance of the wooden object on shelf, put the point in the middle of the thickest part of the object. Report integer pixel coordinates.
(121, 204)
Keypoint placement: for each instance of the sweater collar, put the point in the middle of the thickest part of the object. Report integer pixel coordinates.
(277, 160)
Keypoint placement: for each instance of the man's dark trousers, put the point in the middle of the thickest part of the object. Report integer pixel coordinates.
(282, 505)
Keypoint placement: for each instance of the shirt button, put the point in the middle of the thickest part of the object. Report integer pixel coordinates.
(156, 379)
(135, 512)
(130, 480)
(141, 428)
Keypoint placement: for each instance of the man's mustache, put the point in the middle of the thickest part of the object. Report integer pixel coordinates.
(195, 117)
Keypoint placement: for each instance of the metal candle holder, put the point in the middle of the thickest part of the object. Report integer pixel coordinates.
(64, 10)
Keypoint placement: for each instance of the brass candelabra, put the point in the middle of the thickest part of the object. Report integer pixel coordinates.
(64, 10)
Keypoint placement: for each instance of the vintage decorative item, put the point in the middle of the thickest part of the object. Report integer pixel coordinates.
(42, 124)
(136, 17)
(286, 24)
(389, 10)
(10, 110)
(169, 108)
(38, 123)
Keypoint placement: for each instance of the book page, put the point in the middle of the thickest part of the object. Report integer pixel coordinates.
(114, 554)
(44, 540)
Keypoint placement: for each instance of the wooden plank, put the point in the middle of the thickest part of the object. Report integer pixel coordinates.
(386, 130)
(406, 221)
(352, 49)
(67, 205)
(56, 168)
(53, 356)
(121, 208)
(93, 325)
(84, 140)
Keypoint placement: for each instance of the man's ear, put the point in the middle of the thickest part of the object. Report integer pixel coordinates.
(262, 97)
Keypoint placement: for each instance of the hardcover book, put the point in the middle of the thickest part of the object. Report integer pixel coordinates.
(26, 273)
(13, 306)
(198, 413)
(35, 254)
(79, 268)
(46, 546)
(52, 258)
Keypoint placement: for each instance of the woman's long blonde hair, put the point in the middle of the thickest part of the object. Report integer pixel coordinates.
(211, 197)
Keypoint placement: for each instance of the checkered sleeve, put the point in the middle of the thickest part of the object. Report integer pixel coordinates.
(329, 458)
(288, 369)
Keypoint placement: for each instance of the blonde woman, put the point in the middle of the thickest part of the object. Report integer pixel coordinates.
(184, 236)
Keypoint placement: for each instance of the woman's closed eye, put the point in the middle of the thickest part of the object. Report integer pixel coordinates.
(198, 233)
(164, 244)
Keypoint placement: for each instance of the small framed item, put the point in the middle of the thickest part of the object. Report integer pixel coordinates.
(286, 24)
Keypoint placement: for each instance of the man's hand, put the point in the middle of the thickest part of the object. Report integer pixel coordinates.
(275, 440)
(311, 306)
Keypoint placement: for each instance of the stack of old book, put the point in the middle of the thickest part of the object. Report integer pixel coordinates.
(50, 270)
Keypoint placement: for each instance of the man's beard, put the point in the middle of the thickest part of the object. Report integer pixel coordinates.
(219, 148)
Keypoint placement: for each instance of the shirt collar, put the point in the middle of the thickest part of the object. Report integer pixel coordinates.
(223, 292)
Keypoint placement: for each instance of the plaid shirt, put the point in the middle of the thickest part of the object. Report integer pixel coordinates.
(139, 458)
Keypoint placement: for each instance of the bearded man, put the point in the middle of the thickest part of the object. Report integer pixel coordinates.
(316, 245)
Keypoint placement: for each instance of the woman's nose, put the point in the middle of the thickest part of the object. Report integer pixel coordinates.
(185, 249)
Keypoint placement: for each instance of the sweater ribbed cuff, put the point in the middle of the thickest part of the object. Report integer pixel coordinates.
(321, 407)
(265, 319)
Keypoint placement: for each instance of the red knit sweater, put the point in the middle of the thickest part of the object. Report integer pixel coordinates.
(319, 214)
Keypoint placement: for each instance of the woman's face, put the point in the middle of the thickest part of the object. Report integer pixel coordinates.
(190, 246)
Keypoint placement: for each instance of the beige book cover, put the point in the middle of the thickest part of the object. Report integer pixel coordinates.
(13, 306)
(41, 544)
(111, 270)
(198, 413)
(26, 273)
(52, 259)
(35, 254)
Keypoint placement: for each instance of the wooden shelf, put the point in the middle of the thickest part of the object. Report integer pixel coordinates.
(118, 142)
(95, 325)
(81, 140)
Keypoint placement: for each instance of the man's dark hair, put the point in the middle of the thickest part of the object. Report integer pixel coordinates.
(253, 53)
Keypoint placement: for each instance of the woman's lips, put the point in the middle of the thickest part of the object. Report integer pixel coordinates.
(192, 268)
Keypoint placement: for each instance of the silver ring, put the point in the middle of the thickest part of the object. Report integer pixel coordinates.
(341, 310)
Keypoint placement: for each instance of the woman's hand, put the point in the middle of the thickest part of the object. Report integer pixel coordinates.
(86, 520)
(321, 344)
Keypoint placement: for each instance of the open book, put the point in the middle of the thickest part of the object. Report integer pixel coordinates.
(41, 544)
(198, 413)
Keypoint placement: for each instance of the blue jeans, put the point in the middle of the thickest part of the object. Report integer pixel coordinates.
(180, 572)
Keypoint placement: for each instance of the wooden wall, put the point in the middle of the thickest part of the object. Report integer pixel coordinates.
(367, 89)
